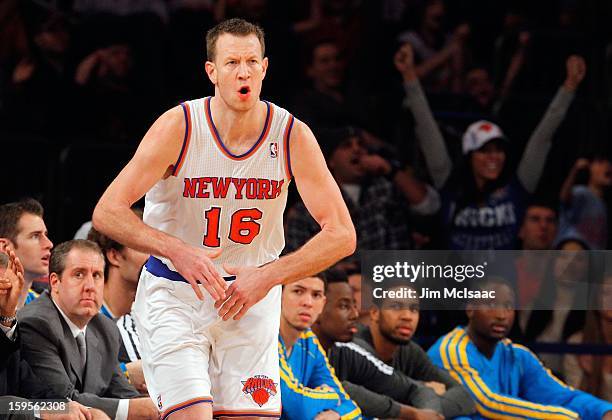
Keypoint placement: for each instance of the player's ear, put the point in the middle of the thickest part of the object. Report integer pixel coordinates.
(211, 71)
(264, 65)
(374, 312)
(469, 310)
(54, 282)
(112, 255)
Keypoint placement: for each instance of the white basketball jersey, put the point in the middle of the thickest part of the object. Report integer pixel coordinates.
(215, 199)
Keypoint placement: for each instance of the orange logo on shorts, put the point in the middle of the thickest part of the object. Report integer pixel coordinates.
(260, 388)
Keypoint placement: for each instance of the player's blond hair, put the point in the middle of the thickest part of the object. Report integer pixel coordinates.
(235, 26)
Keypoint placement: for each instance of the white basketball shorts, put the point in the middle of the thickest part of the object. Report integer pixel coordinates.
(191, 356)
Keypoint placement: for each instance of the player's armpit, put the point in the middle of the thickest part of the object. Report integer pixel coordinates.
(321, 196)
(318, 188)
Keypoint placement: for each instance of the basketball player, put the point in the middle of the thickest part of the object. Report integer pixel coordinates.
(215, 172)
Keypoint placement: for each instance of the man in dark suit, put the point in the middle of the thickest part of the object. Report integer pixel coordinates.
(16, 376)
(73, 348)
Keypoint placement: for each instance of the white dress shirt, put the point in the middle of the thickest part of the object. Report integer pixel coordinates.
(124, 404)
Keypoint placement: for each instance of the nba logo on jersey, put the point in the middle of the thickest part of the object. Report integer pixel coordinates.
(274, 150)
(159, 402)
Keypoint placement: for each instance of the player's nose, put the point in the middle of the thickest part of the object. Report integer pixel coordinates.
(243, 71)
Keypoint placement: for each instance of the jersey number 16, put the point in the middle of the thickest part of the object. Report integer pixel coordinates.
(243, 226)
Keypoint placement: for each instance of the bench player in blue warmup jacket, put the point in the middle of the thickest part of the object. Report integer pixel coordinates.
(506, 380)
(309, 386)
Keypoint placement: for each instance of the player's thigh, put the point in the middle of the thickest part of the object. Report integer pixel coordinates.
(244, 365)
(175, 356)
(199, 411)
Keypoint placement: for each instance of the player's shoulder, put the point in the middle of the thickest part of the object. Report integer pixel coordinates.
(519, 349)
(308, 336)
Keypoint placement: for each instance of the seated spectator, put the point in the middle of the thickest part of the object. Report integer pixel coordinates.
(121, 274)
(537, 233)
(73, 348)
(389, 337)
(584, 213)
(504, 378)
(329, 107)
(17, 381)
(309, 386)
(353, 271)
(378, 389)
(593, 373)
(557, 309)
(483, 205)
(377, 193)
(23, 230)
(122, 271)
(439, 57)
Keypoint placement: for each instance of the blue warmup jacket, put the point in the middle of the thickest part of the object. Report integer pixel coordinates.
(309, 384)
(513, 384)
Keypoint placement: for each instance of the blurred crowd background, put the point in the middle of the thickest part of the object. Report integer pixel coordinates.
(81, 80)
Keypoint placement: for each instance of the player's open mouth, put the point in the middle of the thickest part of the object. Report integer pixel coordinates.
(244, 92)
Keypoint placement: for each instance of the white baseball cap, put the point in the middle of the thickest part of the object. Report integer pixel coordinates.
(480, 133)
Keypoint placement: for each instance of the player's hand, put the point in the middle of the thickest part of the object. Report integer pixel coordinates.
(136, 376)
(76, 411)
(439, 388)
(98, 414)
(196, 266)
(327, 415)
(404, 62)
(142, 408)
(576, 69)
(11, 285)
(249, 288)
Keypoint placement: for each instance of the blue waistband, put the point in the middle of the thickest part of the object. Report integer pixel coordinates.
(159, 269)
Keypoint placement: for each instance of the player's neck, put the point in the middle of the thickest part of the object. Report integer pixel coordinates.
(289, 334)
(326, 342)
(238, 128)
(384, 348)
(118, 294)
(484, 345)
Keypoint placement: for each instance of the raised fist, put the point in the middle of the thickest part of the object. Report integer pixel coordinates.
(576, 69)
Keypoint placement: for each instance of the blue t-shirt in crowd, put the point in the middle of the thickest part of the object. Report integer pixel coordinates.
(492, 224)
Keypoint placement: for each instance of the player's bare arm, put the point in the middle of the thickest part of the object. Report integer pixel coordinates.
(112, 216)
(337, 239)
